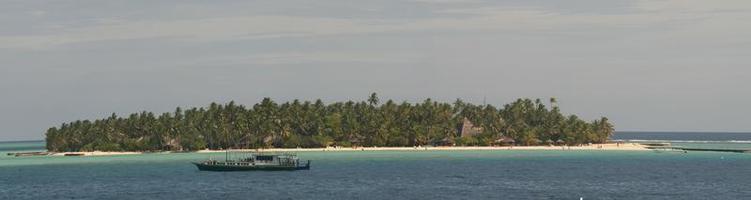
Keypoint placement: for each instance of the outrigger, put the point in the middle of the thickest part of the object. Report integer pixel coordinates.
(251, 161)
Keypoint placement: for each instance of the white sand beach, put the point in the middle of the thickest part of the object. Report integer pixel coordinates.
(95, 153)
(593, 147)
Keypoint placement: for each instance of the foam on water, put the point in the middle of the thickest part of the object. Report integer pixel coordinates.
(689, 141)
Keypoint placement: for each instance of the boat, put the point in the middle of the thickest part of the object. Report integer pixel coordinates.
(664, 148)
(254, 161)
(22, 154)
(668, 149)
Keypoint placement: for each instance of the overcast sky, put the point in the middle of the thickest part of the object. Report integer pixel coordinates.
(661, 65)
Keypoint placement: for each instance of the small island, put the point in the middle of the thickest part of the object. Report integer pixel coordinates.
(316, 125)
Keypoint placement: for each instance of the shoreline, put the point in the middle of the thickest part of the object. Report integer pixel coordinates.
(593, 147)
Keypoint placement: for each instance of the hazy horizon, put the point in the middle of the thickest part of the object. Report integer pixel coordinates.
(648, 65)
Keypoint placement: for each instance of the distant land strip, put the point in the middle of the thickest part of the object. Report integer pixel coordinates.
(305, 124)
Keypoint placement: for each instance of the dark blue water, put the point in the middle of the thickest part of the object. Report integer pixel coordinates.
(407, 175)
(390, 175)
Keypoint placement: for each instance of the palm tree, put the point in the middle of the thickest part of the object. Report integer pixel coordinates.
(296, 123)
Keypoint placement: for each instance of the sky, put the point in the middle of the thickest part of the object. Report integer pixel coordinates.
(652, 65)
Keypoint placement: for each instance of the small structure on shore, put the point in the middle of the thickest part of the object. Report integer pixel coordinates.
(355, 142)
(505, 141)
(467, 129)
(174, 145)
(447, 141)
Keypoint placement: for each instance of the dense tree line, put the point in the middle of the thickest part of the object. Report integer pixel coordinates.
(315, 124)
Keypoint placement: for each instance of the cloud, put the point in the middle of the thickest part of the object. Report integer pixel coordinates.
(652, 13)
(287, 58)
(603, 59)
(447, 1)
(692, 6)
(38, 13)
(262, 27)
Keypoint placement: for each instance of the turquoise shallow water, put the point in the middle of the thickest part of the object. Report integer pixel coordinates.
(706, 140)
(387, 175)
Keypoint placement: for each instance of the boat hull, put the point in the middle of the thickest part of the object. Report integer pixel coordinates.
(211, 167)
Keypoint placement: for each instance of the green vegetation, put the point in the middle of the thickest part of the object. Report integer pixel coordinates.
(315, 124)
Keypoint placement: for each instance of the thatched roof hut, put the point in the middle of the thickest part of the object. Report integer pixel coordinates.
(505, 141)
(560, 141)
(468, 129)
(354, 141)
(447, 141)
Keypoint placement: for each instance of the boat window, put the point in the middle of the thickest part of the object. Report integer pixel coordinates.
(264, 158)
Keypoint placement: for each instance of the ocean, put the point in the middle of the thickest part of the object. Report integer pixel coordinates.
(690, 139)
(398, 175)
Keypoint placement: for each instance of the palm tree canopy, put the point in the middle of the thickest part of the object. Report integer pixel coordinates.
(306, 124)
